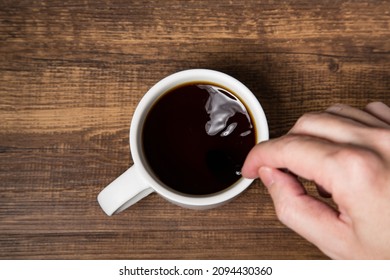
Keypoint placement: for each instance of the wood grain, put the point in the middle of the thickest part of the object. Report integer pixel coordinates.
(72, 73)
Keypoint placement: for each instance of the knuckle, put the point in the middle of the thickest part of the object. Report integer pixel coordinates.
(284, 206)
(282, 212)
(305, 119)
(356, 159)
(362, 165)
(291, 141)
(382, 138)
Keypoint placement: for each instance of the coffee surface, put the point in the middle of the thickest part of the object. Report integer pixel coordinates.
(196, 138)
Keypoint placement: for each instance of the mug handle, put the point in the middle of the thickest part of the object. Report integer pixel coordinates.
(123, 192)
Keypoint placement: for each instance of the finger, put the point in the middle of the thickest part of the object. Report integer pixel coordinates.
(312, 219)
(306, 156)
(357, 115)
(379, 110)
(334, 128)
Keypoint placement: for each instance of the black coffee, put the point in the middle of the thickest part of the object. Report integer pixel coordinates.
(196, 138)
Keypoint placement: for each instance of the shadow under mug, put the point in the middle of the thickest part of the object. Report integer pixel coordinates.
(139, 181)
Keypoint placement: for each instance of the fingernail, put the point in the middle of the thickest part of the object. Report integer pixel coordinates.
(266, 176)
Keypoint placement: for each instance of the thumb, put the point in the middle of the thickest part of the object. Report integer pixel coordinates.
(309, 217)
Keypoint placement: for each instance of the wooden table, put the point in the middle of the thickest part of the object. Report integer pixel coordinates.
(72, 73)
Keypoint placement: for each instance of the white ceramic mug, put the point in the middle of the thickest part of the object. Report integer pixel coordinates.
(138, 181)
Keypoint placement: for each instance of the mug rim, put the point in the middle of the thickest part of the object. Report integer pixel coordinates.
(152, 96)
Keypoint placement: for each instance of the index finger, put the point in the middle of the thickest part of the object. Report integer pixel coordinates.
(303, 155)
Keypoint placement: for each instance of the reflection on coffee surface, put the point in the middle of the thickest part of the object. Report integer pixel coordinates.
(196, 137)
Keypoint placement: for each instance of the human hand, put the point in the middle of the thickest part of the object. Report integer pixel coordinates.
(346, 151)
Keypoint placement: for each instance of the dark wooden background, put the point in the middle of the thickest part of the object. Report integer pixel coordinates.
(72, 73)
